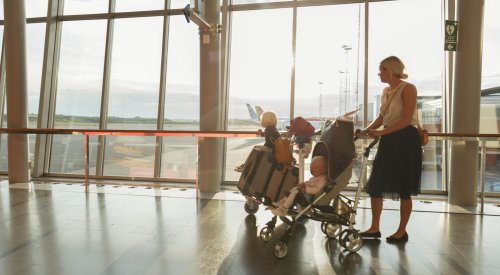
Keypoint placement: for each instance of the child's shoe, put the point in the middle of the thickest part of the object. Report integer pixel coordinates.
(239, 168)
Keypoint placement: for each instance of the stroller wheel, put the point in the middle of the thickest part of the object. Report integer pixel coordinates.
(332, 230)
(280, 250)
(352, 241)
(323, 227)
(266, 234)
(342, 237)
(251, 209)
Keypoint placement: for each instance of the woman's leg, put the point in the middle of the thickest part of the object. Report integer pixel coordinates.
(376, 204)
(405, 212)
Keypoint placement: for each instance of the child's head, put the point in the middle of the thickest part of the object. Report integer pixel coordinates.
(318, 166)
(269, 119)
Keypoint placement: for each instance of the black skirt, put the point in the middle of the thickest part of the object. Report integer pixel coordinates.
(397, 167)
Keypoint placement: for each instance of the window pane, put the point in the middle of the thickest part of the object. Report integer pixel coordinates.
(133, 95)
(329, 76)
(236, 2)
(1, 12)
(80, 75)
(36, 8)
(179, 4)
(490, 104)
(134, 5)
(419, 36)
(35, 42)
(260, 70)
(79, 91)
(182, 101)
(85, 6)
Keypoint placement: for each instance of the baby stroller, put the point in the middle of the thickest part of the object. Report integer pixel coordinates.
(329, 207)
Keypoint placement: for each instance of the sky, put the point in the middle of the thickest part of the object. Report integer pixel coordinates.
(261, 57)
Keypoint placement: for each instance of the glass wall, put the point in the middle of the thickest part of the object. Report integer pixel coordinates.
(316, 72)
(490, 99)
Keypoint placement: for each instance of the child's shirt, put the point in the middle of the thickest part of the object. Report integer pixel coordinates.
(271, 133)
(315, 184)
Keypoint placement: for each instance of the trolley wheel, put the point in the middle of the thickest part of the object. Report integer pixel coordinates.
(251, 209)
(266, 234)
(332, 230)
(280, 250)
(353, 241)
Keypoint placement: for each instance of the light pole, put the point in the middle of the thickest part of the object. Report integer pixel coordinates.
(346, 48)
(320, 83)
(340, 92)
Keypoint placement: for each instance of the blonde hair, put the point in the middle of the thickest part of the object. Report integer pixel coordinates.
(268, 119)
(394, 65)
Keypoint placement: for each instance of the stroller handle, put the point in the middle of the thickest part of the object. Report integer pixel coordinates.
(370, 146)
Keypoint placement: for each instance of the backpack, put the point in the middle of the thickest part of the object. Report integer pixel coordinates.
(283, 150)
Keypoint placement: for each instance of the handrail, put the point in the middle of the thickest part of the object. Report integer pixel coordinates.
(101, 132)
(109, 132)
(66, 131)
(482, 138)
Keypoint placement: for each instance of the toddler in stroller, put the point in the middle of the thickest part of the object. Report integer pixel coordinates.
(303, 192)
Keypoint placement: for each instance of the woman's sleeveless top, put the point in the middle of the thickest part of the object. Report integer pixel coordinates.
(392, 109)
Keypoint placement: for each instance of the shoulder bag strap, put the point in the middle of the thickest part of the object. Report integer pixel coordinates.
(398, 91)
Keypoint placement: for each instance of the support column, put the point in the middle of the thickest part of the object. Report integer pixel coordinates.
(466, 103)
(211, 102)
(17, 91)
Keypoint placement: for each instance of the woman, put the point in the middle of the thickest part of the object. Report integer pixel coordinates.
(398, 163)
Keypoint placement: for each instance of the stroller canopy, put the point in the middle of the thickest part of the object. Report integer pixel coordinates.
(337, 145)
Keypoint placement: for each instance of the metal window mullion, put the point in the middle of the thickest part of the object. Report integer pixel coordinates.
(226, 18)
(2, 85)
(365, 75)
(103, 121)
(294, 53)
(47, 88)
(162, 91)
(2, 90)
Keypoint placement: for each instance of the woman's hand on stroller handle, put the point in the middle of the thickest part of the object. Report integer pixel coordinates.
(366, 133)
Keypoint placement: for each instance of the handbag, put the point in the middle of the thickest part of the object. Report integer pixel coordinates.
(301, 127)
(423, 133)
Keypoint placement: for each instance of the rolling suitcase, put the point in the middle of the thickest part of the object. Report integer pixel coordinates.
(282, 181)
(259, 167)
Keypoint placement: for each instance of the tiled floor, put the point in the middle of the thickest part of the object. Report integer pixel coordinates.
(58, 229)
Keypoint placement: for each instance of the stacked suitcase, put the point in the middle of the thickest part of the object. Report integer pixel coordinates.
(265, 181)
